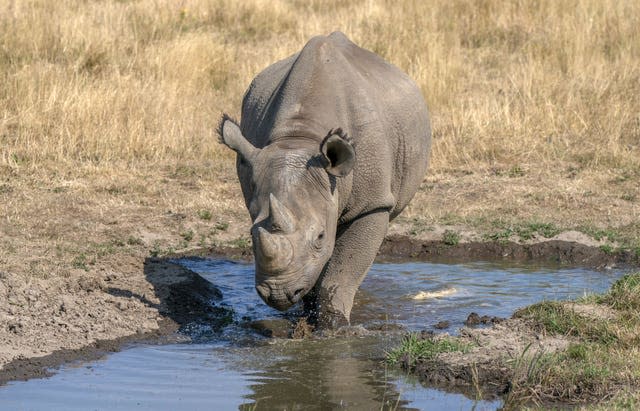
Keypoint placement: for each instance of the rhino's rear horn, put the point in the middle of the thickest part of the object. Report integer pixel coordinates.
(281, 217)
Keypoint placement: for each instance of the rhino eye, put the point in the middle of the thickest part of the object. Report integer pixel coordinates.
(319, 240)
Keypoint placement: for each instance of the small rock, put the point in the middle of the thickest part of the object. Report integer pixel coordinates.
(485, 319)
(67, 304)
(90, 284)
(272, 328)
(475, 319)
(122, 305)
(442, 325)
(405, 361)
(426, 334)
(110, 277)
(472, 319)
(15, 327)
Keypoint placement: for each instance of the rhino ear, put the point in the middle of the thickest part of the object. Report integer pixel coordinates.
(339, 154)
(231, 136)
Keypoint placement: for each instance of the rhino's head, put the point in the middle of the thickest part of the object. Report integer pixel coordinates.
(290, 191)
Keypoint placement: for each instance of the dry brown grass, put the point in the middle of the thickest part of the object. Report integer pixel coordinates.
(533, 84)
(535, 106)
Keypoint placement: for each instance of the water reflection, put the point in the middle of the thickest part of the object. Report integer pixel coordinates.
(329, 374)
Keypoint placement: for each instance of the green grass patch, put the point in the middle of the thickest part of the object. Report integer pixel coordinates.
(419, 226)
(557, 318)
(600, 233)
(134, 241)
(450, 237)
(159, 251)
(80, 261)
(524, 231)
(241, 242)
(187, 235)
(414, 348)
(584, 373)
(624, 294)
(602, 361)
(221, 226)
(607, 249)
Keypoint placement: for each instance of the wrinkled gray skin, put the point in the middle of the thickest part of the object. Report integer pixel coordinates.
(333, 144)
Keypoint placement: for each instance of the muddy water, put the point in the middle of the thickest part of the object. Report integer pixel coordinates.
(239, 368)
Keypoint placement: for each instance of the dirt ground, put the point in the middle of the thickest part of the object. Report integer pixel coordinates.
(83, 255)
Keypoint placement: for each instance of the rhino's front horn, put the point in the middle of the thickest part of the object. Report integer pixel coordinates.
(276, 250)
(281, 217)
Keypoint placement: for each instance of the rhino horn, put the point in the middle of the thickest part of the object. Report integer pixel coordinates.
(275, 249)
(281, 217)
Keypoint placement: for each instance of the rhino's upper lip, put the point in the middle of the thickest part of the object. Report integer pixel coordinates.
(282, 302)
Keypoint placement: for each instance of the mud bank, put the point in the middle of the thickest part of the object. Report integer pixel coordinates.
(153, 300)
(553, 251)
(487, 368)
(182, 299)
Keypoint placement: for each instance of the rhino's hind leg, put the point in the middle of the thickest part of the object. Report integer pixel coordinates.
(355, 249)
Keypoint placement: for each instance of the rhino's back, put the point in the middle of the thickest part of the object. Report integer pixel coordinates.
(334, 83)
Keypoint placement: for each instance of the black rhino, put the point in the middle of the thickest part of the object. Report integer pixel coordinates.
(332, 144)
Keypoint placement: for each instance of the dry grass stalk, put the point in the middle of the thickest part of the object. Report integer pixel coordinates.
(537, 85)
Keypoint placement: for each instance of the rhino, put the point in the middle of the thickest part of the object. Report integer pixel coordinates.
(332, 144)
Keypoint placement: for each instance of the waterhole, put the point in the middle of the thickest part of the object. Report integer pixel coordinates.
(237, 367)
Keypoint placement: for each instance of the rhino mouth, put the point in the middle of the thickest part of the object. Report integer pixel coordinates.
(280, 298)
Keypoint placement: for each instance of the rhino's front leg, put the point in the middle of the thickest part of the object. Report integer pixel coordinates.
(355, 249)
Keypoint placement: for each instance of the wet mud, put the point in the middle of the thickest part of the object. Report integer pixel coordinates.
(553, 251)
(186, 300)
(23, 369)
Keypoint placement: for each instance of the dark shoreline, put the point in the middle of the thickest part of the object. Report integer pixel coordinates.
(190, 298)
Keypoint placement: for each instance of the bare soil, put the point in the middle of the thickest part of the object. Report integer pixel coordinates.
(91, 321)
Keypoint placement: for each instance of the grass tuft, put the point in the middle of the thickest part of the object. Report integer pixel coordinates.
(558, 318)
(414, 348)
(450, 238)
(624, 294)
(602, 362)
